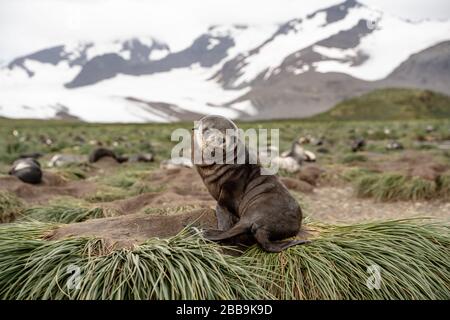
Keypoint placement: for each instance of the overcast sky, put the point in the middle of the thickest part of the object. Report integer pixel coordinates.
(30, 25)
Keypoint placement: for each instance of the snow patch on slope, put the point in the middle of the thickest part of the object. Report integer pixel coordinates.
(189, 89)
(335, 53)
(158, 54)
(392, 43)
(245, 106)
(303, 34)
(245, 37)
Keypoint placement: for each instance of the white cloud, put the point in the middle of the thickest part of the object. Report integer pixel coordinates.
(413, 9)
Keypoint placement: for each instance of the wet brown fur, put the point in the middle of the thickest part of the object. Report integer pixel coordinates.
(250, 206)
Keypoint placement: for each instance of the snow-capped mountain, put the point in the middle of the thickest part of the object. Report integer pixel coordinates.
(295, 69)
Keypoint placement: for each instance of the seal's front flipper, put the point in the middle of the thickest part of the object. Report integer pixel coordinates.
(225, 219)
(211, 233)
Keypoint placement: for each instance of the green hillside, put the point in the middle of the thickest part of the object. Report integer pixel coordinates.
(391, 104)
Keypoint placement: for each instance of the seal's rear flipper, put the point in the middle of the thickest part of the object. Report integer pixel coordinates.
(287, 244)
(275, 246)
(218, 235)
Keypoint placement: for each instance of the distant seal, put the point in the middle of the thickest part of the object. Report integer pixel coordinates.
(60, 160)
(394, 145)
(292, 160)
(100, 153)
(248, 203)
(358, 144)
(300, 154)
(27, 169)
(176, 163)
(145, 157)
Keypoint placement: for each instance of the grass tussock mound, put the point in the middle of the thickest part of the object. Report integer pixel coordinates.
(74, 171)
(412, 257)
(183, 267)
(396, 186)
(64, 214)
(444, 187)
(10, 207)
(352, 158)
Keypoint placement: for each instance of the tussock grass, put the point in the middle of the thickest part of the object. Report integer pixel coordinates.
(123, 181)
(141, 187)
(395, 186)
(413, 258)
(171, 210)
(74, 171)
(66, 210)
(381, 187)
(425, 146)
(126, 183)
(107, 194)
(444, 186)
(412, 255)
(110, 193)
(125, 177)
(352, 157)
(67, 201)
(183, 267)
(355, 173)
(421, 189)
(63, 214)
(10, 207)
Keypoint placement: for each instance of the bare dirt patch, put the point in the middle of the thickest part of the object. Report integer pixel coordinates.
(336, 204)
(51, 186)
(297, 185)
(310, 174)
(182, 178)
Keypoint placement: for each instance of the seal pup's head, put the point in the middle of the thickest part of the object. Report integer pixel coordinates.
(215, 139)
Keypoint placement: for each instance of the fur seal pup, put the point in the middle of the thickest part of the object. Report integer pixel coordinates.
(300, 154)
(250, 205)
(394, 145)
(27, 169)
(287, 163)
(176, 163)
(60, 160)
